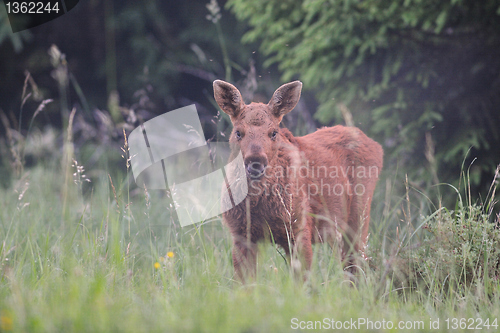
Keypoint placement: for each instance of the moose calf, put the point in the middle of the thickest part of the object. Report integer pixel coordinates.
(301, 190)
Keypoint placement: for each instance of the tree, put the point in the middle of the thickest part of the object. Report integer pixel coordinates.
(416, 74)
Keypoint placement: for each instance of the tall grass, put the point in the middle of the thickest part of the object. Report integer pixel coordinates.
(106, 268)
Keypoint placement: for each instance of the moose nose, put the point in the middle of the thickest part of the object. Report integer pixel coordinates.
(256, 167)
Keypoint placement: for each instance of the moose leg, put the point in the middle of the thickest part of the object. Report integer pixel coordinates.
(302, 254)
(305, 250)
(244, 259)
(365, 217)
(356, 233)
(359, 222)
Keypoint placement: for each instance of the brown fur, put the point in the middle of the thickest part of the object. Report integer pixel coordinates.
(327, 198)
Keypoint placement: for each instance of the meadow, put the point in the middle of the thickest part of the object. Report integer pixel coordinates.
(106, 255)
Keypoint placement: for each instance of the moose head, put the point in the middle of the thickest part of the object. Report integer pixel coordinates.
(256, 129)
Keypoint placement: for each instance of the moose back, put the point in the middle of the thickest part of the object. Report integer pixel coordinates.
(301, 190)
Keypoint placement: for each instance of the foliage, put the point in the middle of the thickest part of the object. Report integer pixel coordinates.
(166, 52)
(404, 68)
(460, 249)
(172, 45)
(133, 59)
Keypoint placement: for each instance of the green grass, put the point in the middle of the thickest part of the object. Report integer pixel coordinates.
(94, 268)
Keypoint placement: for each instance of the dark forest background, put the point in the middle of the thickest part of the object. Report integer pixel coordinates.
(421, 77)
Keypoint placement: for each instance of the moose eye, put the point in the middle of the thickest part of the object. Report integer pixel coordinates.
(238, 135)
(274, 134)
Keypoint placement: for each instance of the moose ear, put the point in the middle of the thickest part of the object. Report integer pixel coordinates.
(228, 97)
(285, 98)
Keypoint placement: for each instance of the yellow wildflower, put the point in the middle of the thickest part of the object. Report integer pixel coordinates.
(157, 265)
(170, 254)
(6, 322)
